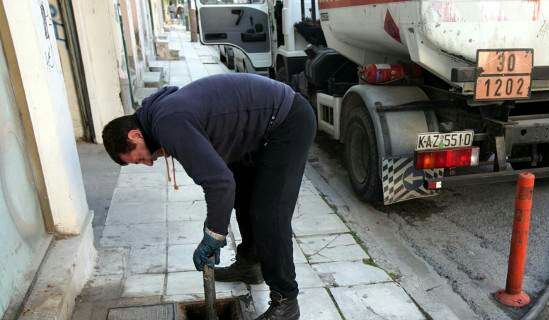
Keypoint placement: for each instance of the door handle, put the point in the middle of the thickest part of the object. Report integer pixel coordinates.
(214, 36)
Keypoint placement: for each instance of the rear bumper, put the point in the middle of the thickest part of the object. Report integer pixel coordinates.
(488, 177)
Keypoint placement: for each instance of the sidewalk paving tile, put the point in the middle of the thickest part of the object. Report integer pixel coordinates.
(143, 285)
(191, 283)
(158, 166)
(186, 193)
(102, 288)
(135, 213)
(183, 179)
(147, 259)
(314, 304)
(234, 228)
(144, 179)
(185, 232)
(376, 301)
(139, 195)
(312, 205)
(299, 257)
(306, 277)
(349, 273)
(134, 235)
(111, 261)
(187, 211)
(330, 248)
(309, 225)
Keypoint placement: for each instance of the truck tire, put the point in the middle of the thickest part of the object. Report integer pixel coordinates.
(361, 155)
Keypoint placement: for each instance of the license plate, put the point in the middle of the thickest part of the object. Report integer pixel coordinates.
(436, 140)
(503, 74)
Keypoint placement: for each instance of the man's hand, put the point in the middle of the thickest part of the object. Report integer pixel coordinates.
(210, 246)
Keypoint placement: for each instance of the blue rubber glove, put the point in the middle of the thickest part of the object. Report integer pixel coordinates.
(207, 248)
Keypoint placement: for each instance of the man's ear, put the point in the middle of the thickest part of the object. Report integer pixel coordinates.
(135, 135)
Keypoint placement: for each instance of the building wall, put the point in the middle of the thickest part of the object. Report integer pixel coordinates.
(40, 177)
(103, 58)
(23, 238)
(59, 32)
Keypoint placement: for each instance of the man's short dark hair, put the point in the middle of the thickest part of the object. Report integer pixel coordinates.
(115, 137)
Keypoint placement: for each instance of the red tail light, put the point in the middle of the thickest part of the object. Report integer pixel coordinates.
(382, 73)
(448, 158)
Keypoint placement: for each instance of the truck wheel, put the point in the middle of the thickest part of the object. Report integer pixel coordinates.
(361, 155)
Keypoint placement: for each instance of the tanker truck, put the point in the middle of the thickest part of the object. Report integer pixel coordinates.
(424, 94)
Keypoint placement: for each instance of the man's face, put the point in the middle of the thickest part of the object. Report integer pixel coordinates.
(140, 154)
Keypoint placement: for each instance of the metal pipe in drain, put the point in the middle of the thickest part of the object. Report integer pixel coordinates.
(209, 291)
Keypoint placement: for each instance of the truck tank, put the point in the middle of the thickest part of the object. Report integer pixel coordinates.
(437, 35)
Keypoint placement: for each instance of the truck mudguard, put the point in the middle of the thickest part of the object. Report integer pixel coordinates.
(398, 114)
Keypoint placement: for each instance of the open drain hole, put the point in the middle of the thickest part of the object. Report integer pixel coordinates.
(228, 309)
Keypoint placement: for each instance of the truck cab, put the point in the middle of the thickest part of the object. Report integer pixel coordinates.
(258, 36)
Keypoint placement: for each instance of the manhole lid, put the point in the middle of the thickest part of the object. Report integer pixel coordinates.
(154, 312)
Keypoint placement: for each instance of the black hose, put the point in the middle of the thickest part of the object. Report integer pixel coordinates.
(534, 312)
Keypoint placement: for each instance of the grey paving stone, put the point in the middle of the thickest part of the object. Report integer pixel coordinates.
(180, 257)
(185, 232)
(214, 69)
(139, 195)
(158, 166)
(151, 79)
(349, 273)
(143, 285)
(191, 283)
(142, 179)
(329, 248)
(134, 235)
(308, 225)
(376, 301)
(306, 277)
(142, 93)
(183, 178)
(135, 213)
(147, 259)
(307, 189)
(314, 304)
(311, 205)
(299, 257)
(234, 227)
(102, 288)
(187, 211)
(111, 261)
(186, 193)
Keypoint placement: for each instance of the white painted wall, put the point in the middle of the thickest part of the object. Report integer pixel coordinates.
(100, 44)
(38, 59)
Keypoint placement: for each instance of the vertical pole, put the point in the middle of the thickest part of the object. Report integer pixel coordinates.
(209, 292)
(193, 23)
(513, 295)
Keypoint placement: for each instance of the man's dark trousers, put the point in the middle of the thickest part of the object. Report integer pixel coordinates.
(266, 193)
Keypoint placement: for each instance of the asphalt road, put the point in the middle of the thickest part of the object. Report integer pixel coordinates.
(462, 236)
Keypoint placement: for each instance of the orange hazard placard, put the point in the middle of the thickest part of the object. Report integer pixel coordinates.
(503, 74)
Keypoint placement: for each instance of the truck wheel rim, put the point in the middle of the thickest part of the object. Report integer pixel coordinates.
(358, 153)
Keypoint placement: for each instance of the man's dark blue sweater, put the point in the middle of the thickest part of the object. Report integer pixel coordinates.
(212, 122)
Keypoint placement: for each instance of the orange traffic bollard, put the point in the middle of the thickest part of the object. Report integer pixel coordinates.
(513, 296)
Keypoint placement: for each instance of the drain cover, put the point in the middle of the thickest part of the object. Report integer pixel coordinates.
(155, 312)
